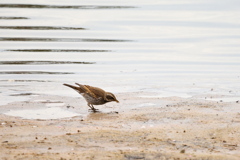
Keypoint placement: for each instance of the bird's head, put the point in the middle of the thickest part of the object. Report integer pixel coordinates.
(111, 97)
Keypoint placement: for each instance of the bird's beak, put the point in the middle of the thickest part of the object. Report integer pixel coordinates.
(117, 101)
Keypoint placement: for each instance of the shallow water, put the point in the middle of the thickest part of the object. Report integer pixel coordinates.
(45, 113)
(154, 46)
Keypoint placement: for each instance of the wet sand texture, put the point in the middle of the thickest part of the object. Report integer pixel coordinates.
(176, 128)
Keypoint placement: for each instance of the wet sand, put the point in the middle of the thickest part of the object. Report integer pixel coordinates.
(137, 128)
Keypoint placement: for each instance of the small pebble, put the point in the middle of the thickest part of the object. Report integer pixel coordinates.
(68, 106)
(182, 151)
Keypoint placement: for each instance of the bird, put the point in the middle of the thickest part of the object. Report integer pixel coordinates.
(93, 95)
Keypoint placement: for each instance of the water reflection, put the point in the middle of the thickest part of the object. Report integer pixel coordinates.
(63, 6)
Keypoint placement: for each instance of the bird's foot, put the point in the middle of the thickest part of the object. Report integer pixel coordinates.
(93, 110)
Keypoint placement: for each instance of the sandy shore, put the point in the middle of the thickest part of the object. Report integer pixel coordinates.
(137, 128)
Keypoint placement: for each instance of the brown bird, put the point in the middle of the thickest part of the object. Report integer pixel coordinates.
(93, 95)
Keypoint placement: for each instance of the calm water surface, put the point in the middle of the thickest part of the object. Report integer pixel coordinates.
(161, 46)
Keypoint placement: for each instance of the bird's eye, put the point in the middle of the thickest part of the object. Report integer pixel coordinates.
(109, 97)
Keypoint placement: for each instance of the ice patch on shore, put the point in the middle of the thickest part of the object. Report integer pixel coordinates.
(45, 113)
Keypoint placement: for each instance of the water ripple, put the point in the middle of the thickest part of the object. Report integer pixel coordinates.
(37, 6)
(41, 28)
(41, 62)
(12, 18)
(33, 72)
(56, 50)
(61, 39)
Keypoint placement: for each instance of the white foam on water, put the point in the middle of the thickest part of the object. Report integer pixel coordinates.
(45, 113)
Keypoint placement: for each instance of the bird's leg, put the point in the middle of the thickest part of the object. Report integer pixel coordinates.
(92, 108)
(89, 105)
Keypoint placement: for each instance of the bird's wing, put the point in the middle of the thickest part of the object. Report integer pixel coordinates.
(97, 91)
(87, 90)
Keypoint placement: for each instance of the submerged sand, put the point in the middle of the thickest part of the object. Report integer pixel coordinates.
(139, 127)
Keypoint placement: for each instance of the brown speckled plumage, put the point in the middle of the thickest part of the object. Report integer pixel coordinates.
(93, 95)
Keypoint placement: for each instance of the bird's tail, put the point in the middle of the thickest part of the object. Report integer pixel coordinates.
(78, 89)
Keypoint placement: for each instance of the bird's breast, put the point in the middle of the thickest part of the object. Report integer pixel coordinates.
(93, 100)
